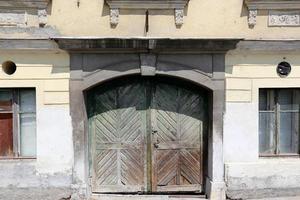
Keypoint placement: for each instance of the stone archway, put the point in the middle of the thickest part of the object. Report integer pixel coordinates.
(96, 61)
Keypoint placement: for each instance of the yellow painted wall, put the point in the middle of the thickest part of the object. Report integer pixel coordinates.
(48, 72)
(204, 19)
(246, 72)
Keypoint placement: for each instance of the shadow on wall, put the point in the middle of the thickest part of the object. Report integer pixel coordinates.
(94, 67)
(245, 11)
(252, 20)
(60, 69)
(175, 87)
(125, 62)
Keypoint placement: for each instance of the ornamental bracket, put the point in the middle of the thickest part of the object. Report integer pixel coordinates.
(252, 17)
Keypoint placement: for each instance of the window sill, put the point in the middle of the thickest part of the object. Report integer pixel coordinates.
(280, 156)
(17, 158)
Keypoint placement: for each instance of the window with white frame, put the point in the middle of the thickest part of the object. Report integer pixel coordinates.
(279, 121)
(17, 123)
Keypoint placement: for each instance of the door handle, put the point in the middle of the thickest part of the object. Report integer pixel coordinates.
(156, 144)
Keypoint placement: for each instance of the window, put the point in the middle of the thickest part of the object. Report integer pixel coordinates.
(17, 123)
(279, 121)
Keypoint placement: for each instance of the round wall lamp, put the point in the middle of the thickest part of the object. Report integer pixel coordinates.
(284, 69)
(9, 67)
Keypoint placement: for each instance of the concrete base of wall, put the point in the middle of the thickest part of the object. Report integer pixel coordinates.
(215, 190)
(24, 174)
(35, 193)
(280, 198)
(263, 179)
(284, 193)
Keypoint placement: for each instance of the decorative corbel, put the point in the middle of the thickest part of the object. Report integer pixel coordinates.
(252, 17)
(114, 16)
(42, 15)
(179, 16)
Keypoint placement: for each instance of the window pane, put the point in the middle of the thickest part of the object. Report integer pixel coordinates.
(296, 99)
(289, 130)
(266, 99)
(262, 99)
(5, 100)
(6, 135)
(266, 132)
(28, 134)
(288, 99)
(27, 100)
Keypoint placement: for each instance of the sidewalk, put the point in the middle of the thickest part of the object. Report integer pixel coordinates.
(280, 198)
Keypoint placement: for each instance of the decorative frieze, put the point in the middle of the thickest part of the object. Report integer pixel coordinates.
(177, 5)
(284, 18)
(277, 19)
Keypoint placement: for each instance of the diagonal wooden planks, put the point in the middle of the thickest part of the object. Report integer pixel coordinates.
(119, 127)
(177, 116)
(118, 158)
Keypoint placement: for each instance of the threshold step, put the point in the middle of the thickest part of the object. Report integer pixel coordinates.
(145, 197)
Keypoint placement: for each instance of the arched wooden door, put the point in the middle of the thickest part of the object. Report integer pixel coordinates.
(146, 135)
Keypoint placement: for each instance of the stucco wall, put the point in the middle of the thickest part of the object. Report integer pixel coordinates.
(203, 19)
(48, 73)
(247, 174)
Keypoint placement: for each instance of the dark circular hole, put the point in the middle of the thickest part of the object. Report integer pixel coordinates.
(284, 69)
(9, 67)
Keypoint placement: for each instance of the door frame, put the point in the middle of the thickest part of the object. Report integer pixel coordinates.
(92, 68)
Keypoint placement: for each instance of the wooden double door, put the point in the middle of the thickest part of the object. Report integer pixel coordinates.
(146, 135)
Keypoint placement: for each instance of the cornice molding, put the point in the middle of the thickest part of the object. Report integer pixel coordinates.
(24, 4)
(21, 6)
(177, 5)
(146, 45)
(147, 4)
(272, 4)
(255, 5)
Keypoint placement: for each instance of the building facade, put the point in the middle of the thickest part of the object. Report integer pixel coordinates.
(100, 98)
